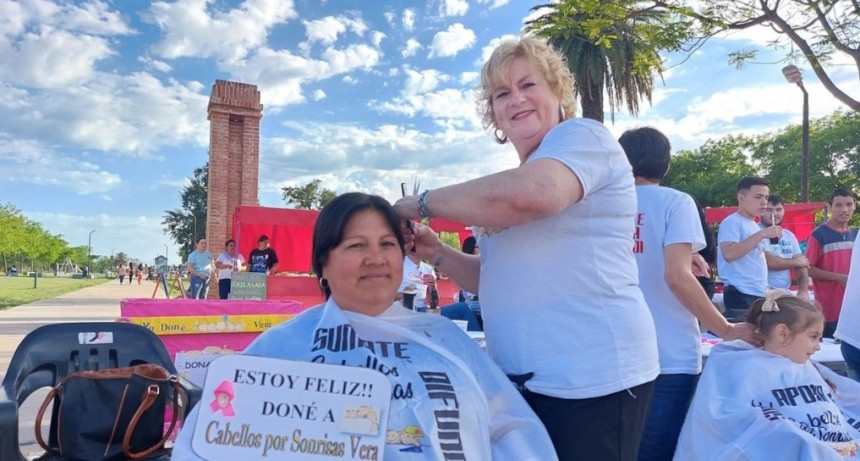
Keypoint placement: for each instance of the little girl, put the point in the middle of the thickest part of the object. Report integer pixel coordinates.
(773, 402)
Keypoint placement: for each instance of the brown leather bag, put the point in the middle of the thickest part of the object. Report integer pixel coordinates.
(112, 414)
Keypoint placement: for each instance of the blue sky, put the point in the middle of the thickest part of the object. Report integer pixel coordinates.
(103, 104)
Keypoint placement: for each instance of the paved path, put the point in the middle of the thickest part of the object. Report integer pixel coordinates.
(92, 304)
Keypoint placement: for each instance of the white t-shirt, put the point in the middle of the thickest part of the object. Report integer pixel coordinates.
(748, 273)
(225, 258)
(560, 296)
(848, 328)
(787, 248)
(413, 275)
(666, 217)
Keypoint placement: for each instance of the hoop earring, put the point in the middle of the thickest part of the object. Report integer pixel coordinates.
(500, 139)
(323, 283)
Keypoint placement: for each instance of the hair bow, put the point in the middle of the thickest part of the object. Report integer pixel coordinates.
(770, 298)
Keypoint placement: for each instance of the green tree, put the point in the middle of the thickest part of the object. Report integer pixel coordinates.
(309, 196)
(180, 223)
(612, 47)
(834, 148)
(711, 172)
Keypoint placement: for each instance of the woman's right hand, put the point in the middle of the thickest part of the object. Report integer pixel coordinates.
(422, 241)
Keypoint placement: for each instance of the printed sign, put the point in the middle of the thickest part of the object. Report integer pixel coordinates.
(248, 285)
(193, 366)
(256, 407)
(200, 324)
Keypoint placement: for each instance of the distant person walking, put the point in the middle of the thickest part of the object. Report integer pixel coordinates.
(139, 274)
(120, 271)
(228, 261)
(199, 270)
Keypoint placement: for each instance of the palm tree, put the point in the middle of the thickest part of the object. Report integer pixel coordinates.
(611, 47)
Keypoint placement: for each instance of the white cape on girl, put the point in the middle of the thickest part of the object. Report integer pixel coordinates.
(449, 400)
(753, 405)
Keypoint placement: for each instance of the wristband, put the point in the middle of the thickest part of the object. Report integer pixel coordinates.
(423, 210)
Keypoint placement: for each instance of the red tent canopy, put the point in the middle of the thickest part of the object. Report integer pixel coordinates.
(445, 225)
(799, 217)
(290, 234)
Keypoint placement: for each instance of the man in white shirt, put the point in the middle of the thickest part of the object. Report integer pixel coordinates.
(741, 263)
(417, 277)
(668, 232)
(783, 254)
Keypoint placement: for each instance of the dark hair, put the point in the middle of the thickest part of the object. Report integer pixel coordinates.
(774, 199)
(332, 222)
(841, 192)
(263, 238)
(710, 250)
(648, 151)
(747, 182)
(228, 242)
(469, 244)
(200, 238)
(794, 312)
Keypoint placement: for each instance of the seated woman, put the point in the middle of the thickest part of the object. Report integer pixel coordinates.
(358, 249)
(773, 403)
(467, 307)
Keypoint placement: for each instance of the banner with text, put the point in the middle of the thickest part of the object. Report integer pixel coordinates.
(255, 407)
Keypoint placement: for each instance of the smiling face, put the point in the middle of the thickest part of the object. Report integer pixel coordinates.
(365, 269)
(802, 345)
(524, 106)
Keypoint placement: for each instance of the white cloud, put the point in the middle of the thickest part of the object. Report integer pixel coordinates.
(28, 162)
(190, 28)
(424, 81)
(349, 80)
(451, 41)
(160, 66)
(319, 94)
(280, 74)
(408, 19)
(376, 38)
(494, 3)
(468, 78)
(90, 18)
(146, 114)
(450, 8)
(327, 30)
(390, 17)
(53, 58)
(412, 47)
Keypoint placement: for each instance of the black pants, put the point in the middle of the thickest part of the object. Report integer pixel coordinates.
(606, 428)
(829, 328)
(224, 288)
(737, 304)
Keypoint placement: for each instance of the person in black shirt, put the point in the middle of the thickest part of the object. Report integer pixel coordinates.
(263, 258)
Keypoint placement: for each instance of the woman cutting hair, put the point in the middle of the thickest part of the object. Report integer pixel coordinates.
(560, 299)
(358, 250)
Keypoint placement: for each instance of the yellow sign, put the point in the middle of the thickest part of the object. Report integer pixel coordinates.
(201, 324)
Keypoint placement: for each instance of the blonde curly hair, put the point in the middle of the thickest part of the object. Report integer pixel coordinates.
(540, 55)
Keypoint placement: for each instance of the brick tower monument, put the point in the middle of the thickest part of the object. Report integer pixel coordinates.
(234, 159)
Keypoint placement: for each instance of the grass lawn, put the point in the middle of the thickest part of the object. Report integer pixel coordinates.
(15, 291)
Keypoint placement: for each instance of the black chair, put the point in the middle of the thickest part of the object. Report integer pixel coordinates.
(51, 352)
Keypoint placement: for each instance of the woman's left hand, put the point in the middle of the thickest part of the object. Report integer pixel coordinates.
(407, 207)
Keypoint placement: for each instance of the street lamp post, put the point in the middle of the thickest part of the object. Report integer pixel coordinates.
(793, 75)
(166, 259)
(89, 250)
(194, 237)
